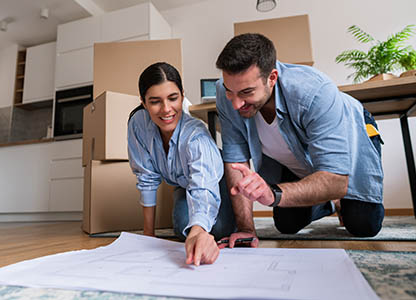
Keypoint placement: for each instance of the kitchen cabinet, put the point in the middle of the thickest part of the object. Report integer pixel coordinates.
(66, 176)
(41, 178)
(24, 178)
(74, 68)
(39, 73)
(78, 34)
(75, 51)
(133, 22)
(125, 23)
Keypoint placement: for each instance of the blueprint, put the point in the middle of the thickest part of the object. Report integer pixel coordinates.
(145, 265)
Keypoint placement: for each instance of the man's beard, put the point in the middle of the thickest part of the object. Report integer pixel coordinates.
(255, 108)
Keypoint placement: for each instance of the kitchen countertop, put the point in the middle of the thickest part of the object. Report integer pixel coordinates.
(26, 142)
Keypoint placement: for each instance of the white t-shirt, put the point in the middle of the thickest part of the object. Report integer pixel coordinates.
(274, 146)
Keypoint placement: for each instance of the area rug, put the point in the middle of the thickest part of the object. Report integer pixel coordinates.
(392, 275)
(395, 228)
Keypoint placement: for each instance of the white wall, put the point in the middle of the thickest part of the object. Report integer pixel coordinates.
(8, 59)
(207, 26)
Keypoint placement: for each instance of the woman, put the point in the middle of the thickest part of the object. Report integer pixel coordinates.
(165, 143)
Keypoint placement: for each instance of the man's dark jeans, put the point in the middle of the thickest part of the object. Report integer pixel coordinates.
(362, 219)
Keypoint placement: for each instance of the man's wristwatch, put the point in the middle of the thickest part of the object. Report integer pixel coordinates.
(277, 192)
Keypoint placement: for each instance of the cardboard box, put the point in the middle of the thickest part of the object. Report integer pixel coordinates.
(105, 127)
(118, 65)
(290, 35)
(111, 199)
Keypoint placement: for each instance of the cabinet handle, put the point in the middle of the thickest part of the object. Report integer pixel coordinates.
(82, 97)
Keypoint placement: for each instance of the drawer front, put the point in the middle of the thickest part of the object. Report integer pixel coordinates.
(66, 168)
(66, 195)
(66, 149)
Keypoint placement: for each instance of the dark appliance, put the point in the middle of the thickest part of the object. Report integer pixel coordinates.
(69, 107)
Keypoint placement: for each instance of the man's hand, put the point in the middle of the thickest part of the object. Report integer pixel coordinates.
(200, 247)
(239, 235)
(252, 186)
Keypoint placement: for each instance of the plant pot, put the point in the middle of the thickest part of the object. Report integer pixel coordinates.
(384, 76)
(408, 73)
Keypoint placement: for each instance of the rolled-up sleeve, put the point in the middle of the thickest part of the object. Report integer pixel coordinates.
(205, 171)
(326, 131)
(148, 180)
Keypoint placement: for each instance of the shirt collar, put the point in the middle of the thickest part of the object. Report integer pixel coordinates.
(175, 136)
(279, 98)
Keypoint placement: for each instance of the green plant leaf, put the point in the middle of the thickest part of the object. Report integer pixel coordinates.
(360, 35)
(403, 35)
(382, 57)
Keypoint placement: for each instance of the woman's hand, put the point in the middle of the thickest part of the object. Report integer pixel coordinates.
(200, 247)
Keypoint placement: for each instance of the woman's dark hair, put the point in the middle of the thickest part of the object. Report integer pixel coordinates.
(246, 50)
(157, 74)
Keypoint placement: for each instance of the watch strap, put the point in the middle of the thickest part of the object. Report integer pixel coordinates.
(277, 193)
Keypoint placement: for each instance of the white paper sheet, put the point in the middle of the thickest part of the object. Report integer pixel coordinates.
(144, 265)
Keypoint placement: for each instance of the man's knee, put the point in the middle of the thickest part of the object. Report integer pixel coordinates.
(288, 223)
(287, 228)
(362, 227)
(362, 219)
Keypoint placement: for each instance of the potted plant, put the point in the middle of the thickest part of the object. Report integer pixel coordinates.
(382, 58)
(408, 62)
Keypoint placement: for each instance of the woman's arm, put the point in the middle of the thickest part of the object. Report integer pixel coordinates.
(205, 170)
(149, 220)
(142, 165)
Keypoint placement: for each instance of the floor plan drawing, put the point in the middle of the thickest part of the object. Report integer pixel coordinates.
(143, 265)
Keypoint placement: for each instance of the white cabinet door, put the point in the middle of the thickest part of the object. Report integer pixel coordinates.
(66, 176)
(125, 23)
(39, 73)
(78, 34)
(74, 68)
(24, 178)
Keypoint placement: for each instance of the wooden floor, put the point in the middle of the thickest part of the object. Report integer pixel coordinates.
(22, 241)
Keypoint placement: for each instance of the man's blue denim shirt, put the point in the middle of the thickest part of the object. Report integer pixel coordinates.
(323, 127)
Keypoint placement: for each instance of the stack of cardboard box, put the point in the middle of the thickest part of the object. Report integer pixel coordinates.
(111, 199)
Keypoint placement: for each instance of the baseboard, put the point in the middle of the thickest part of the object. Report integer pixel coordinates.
(262, 213)
(387, 212)
(398, 212)
(41, 217)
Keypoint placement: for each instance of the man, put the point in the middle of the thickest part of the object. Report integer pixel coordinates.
(307, 140)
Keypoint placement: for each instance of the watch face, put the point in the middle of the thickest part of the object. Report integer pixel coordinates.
(276, 188)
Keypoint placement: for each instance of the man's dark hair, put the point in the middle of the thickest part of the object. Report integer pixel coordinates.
(156, 74)
(246, 50)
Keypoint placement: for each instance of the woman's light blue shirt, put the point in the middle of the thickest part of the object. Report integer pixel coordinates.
(193, 162)
(323, 127)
